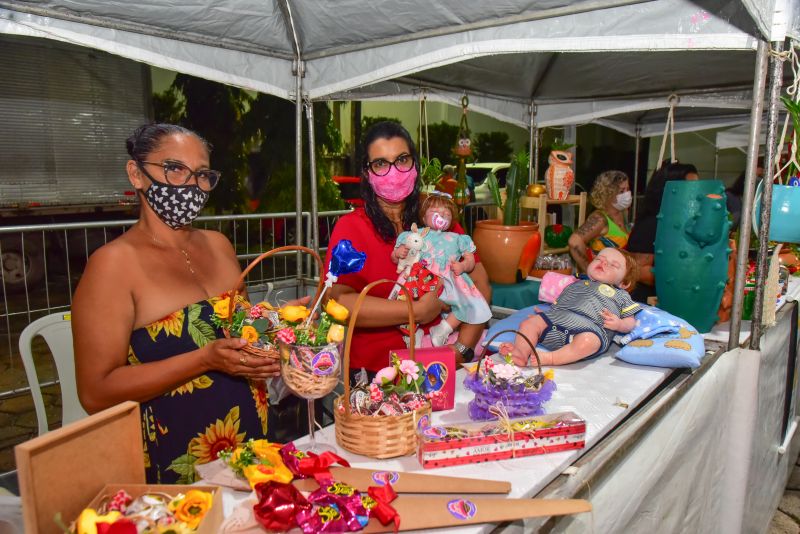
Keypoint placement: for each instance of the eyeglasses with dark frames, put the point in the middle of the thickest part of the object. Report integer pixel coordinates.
(381, 167)
(176, 173)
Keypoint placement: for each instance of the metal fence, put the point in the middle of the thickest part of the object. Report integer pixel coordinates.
(41, 266)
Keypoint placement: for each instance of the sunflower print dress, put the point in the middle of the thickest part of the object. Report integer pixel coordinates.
(196, 420)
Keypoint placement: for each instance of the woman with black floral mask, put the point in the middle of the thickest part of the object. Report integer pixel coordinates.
(141, 316)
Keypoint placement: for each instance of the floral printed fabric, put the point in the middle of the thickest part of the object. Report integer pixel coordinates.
(198, 419)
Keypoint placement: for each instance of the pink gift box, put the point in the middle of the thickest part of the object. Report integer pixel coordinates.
(467, 443)
(440, 374)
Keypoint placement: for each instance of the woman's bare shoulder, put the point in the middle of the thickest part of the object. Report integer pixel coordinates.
(215, 239)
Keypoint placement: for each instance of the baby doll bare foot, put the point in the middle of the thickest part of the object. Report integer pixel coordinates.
(516, 354)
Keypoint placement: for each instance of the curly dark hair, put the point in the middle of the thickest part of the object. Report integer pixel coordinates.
(385, 228)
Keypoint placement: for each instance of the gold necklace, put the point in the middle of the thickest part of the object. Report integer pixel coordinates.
(161, 243)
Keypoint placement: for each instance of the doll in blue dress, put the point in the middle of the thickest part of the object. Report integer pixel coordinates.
(451, 257)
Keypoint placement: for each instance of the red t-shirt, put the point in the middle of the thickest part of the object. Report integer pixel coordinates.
(371, 346)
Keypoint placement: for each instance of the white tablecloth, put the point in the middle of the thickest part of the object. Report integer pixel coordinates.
(602, 391)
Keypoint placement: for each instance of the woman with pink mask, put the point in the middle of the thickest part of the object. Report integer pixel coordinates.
(581, 322)
(450, 256)
(390, 189)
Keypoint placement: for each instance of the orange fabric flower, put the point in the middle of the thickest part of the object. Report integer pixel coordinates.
(249, 334)
(223, 308)
(192, 507)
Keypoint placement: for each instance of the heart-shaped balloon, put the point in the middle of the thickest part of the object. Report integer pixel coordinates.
(345, 259)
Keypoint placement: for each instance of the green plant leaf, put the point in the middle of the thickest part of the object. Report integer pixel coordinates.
(494, 189)
(184, 466)
(261, 324)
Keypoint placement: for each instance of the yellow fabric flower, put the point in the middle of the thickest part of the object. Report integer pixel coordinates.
(192, 507)
(258, 473)
(249, 334)
(336, 333)
(223, 308)
(172, 325)
(87, 521)
(338, 312)
(549, 374)
(294, 314)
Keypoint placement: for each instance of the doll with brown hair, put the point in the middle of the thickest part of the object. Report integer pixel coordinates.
(450, 256)
(581, 321)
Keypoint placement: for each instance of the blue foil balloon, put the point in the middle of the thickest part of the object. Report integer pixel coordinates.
(345, 259)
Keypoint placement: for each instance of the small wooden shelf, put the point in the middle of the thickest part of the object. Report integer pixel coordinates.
(540, 203)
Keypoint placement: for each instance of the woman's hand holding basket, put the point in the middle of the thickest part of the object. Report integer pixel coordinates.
(226, 356)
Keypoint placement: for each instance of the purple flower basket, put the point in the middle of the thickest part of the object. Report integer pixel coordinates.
(518, 400)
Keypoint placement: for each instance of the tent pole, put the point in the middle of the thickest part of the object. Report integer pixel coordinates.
(636, 170)
(775, 83)
(716, 164)
(756, 110)
(533, 143)
(298, 162)
(312, 165)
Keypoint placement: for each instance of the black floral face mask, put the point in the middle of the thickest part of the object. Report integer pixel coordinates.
(176, 205)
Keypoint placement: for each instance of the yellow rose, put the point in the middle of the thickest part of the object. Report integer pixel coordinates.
(549, 374)
(87, 521)
(192, 507)
(294, 314)
(249, 334)
(223, 308)
(338, 312)
(336, 333)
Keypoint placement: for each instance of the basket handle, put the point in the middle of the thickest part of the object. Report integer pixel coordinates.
(351, 326)
(523, 336)
(235, 291)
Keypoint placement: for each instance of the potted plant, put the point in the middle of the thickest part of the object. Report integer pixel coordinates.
(785, 207)
(430, 173)
(506, 242)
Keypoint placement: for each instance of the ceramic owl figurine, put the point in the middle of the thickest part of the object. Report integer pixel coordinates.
(559, 176)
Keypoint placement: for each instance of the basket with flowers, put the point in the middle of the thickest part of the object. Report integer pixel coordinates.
(257, 323)
(504, 383)
(380, 420)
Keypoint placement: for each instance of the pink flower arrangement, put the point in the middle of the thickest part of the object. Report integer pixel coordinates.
(286, 335)
(410, 370)
(387, 373)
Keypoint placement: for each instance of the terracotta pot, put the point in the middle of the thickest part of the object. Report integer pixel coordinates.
(500, 247)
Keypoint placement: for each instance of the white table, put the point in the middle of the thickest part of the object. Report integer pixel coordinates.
(602, 391)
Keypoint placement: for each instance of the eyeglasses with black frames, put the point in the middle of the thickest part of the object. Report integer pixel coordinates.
(176, 173)
(381, 167)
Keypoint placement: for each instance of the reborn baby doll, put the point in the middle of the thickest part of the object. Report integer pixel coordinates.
(580, 322)
(449, 256)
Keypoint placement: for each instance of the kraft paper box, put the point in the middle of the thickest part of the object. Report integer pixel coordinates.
(467, 443)
(440, 373)
(63, 471)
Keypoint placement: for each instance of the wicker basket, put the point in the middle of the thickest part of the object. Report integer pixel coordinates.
(517, 401)
(271, 351)
(376, 436)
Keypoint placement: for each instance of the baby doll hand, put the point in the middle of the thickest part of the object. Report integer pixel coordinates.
(456, 267)
(611, 321)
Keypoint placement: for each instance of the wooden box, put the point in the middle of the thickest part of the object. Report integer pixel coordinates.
(66, 470)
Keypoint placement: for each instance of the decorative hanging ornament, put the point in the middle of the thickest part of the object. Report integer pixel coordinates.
(463, 150)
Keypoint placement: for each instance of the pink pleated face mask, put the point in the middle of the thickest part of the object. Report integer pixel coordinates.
(395, 185)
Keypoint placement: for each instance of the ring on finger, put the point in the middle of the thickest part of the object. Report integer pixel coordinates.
(243, 360)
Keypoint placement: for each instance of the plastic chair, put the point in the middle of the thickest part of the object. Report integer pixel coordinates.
(56, 329)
